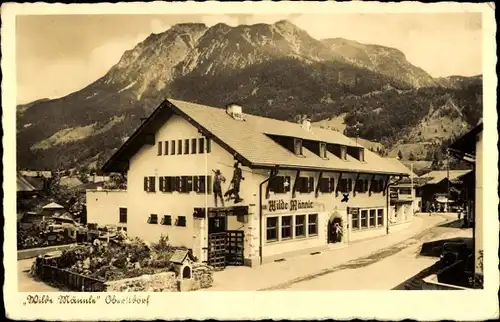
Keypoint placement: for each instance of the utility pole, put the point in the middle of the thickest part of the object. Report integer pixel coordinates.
(448, 177)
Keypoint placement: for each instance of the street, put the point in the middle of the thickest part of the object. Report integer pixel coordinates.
(377, 264)
(26, 283)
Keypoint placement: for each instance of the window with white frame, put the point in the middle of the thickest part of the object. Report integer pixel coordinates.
(272, 229)
(286, 227)
(364, 218)
(372, 219)
(312, 224)
(380, 217)
(300, 223)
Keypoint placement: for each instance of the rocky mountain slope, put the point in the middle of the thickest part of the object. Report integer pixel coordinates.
(274, 70)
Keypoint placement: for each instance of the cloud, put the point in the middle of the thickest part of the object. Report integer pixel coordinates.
(267, 19)
(211, 20)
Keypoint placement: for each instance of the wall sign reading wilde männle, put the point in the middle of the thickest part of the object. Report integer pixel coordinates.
(292, 205)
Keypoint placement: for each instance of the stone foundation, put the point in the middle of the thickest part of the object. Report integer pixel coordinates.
(162, 282)
(202, 276)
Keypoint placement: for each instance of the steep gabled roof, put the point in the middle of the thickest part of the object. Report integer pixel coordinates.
(53, 205)
(23, 184)
(400, 166)
(466, 144)
(250, 141)
(439, 175)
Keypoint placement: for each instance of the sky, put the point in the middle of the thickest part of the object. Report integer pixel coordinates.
(57, 55)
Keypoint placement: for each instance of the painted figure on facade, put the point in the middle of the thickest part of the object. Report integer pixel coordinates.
(234, 190)
(217, 186)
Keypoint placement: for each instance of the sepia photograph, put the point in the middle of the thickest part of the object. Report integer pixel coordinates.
(244, 151)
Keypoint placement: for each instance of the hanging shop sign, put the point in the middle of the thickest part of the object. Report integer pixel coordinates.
(292, 205)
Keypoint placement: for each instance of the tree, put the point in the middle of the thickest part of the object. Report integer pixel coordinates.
(400, 155)
(411, 157)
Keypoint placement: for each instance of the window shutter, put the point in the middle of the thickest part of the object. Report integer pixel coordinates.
(152, 184)
(201, 145)
(160, 145)
(209, 184)
(166, 147)
(366, 185)
(310, 184)
(350, 185)
(287, 188)
(209, 145)
(178, 181)
(196, 184)
(162, 184)
(193, 146)
(146, 183)
(172, 143)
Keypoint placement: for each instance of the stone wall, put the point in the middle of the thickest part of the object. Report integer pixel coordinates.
(162, 282)
(202, 275)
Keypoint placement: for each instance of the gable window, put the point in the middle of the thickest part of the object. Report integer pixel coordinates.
(179, 146)
(186, 146)
(271, 229)
(193, 146)
(181, 221)
(166, 147)
(167, 220)
(172, 147)
(149, 184)
(160, 145)
(297, 146)
(123, 216)
(343, 152)
(201, 145)
(322, 150)
(153, 219)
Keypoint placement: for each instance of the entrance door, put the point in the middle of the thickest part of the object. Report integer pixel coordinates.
(217, 250)
(235, 241)
(333, 236)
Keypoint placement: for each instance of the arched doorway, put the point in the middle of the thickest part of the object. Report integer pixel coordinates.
(334, 230)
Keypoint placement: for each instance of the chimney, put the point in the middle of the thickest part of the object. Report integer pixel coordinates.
(306, 123)
(235, 111)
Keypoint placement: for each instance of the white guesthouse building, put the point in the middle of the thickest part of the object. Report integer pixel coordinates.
(301, 189)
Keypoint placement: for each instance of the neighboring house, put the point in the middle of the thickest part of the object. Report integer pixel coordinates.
(70, 182)
(24, 187)
(404, 202)
(36, 174)
(439, 188)
(298, 185)
(52, 209)
(29, 189)
(29, 219)
(470, 148)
